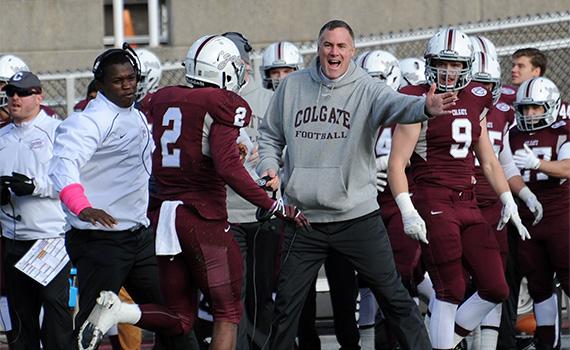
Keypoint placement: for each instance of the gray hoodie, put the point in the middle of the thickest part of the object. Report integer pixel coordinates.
(329, 129)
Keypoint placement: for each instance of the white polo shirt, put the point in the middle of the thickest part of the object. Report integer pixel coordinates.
(107, 149)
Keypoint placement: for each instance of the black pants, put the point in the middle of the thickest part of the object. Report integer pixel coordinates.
(259, 244)
(364, 243)
(25, 299)
(343, 293)
(111, 260)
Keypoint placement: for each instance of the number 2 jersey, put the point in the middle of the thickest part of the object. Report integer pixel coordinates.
(443, 155)
(195, 132)
(552, 192)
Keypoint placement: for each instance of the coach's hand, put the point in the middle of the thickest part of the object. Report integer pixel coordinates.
(275, 182)
(94, 216)
(439, 105)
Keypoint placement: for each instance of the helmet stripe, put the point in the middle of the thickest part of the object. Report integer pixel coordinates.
(450, 38)
(482, 43)
(529, 88)
(363, 64)
(279, 50)
(200, 49)
(483, 62)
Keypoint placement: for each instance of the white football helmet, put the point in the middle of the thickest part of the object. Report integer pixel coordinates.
(151, 72)
(537, 91)
(486, 69)
(413, 71)
(278, 55)
(382, 65)
(214, 60)
(449, 44)
(482, 44)
(9, 65)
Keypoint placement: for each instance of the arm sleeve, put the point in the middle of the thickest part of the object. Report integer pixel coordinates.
(272, 139)
(391, 107)
(75, 143)
(225, 156)
(506, 159)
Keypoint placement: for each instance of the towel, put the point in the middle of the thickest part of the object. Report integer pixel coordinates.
(166, 242)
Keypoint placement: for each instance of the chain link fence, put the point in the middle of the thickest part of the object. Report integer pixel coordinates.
(547, 32)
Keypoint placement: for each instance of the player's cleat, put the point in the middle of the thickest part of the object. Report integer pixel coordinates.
(104, 315)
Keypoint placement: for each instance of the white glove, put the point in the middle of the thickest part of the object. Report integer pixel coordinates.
(510, 212)
(414, 225)
(382, 163)
(526, 159)
(381, 181)
(532, 203)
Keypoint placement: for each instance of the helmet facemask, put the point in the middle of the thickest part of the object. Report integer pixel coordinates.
(461, 76)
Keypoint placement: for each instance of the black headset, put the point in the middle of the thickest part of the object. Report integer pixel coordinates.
(126, 50)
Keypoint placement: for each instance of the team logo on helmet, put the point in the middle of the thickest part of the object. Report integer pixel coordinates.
(479, 91)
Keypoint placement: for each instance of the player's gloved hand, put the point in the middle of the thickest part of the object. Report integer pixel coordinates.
(381, 180)
(510, 212)
(382, 163)
(20, 184)
(290, 213)
(414, 225)
(532, 203)
(526, 159)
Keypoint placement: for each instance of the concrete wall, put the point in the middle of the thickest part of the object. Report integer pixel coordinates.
(53, 35)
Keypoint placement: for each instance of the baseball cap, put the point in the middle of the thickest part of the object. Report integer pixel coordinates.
(242, 44)
(24, 81)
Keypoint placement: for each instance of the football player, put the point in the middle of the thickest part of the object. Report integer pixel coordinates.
(9, 65)
(487, 72)
(413, 71)
(196, 155)
(455, 236)
(151, 72)
(385, 67)
(541, 147)
(279, 59)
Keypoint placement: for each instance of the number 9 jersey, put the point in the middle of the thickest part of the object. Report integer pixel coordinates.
(195, 132)
(444, 152)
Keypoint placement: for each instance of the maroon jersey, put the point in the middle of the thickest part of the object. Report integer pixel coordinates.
(50, 112)
(195, 132)
(444, 152)
(144, 106)
(81, 105)
(509, 94)
(499, 119)
(552, 192)
(383, 147)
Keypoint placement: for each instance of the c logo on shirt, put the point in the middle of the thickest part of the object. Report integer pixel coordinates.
(479, 91)
(501, 106)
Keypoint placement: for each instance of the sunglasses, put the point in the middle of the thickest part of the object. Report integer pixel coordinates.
(21, 92)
